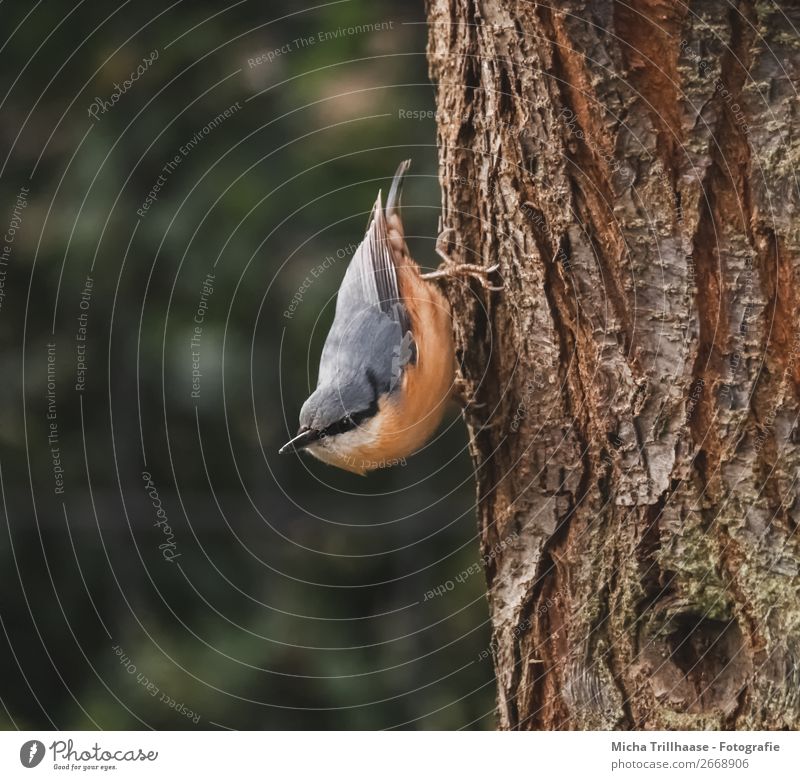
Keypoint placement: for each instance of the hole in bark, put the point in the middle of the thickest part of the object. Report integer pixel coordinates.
(710, 656)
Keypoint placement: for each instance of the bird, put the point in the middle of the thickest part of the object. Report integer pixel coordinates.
(388, 364)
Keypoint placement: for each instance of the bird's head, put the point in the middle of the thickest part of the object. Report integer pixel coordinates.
(336, 421)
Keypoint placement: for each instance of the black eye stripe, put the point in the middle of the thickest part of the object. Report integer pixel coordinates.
(350, 421)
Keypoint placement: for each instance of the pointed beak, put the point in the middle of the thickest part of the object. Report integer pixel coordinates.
(304, 437)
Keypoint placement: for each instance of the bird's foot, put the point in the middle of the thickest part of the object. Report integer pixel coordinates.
(452, 269)
(460, 393)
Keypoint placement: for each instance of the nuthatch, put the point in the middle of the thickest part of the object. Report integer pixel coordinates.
(388, 365)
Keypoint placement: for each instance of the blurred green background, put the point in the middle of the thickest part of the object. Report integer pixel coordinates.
(283, 594)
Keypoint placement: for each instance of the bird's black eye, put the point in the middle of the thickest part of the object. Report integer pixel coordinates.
(351, 420)
(346, 423)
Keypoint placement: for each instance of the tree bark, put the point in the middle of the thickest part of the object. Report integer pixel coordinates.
(631, 167)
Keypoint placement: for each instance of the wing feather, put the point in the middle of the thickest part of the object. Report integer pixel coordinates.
(371, 278)
(371, 336)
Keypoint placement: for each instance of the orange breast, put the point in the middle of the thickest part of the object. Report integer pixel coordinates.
(411, 415)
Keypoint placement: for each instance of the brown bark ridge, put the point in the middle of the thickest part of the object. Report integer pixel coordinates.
(632, 167)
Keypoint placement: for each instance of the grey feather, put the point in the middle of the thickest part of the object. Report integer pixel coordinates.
(371, 278)
(356, 367)
(370, 341)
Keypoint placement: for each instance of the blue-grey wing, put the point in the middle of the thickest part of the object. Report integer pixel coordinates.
(371, 277)
(371, 334)
(362, 356)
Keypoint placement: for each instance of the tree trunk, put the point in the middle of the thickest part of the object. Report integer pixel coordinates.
(630, 166)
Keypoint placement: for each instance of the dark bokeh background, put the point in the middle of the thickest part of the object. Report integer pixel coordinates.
(296, 597)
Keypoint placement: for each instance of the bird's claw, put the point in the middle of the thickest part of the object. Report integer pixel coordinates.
(453, 269)
(461, 394)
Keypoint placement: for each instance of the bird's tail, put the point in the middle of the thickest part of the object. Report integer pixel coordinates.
(396, 191)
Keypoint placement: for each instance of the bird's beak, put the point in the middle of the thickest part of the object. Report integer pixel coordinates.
(304, 437)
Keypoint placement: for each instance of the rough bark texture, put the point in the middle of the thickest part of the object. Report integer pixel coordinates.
(631, 167)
